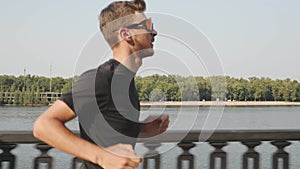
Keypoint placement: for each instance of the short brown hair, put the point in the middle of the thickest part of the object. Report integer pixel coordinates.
(117, 10)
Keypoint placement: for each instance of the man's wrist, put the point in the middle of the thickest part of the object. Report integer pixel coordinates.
(98, 155)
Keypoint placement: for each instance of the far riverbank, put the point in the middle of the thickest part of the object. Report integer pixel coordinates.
(191, 103)
(220, 103)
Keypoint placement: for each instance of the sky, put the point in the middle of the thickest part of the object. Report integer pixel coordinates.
(250, 37)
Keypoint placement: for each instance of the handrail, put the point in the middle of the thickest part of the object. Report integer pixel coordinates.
(26, 137)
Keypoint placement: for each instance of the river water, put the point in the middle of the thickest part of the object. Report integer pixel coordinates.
(181, 118)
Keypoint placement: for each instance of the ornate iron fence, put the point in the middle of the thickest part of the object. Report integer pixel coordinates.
(281, 139)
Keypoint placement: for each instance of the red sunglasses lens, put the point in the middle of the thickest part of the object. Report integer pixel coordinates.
(149, 24)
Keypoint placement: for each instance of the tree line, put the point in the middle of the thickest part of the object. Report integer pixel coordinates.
(28, 89)
(178, 88)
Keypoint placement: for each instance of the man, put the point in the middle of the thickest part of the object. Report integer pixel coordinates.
(109, 131)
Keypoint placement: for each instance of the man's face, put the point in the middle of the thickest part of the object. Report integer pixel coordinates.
(143, 36)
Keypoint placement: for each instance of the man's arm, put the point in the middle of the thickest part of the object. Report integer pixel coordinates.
(50, 128)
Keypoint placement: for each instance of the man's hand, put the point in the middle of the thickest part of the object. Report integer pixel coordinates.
(120, 156)
(154, 125)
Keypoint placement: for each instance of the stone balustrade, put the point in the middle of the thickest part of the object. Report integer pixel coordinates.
(9, 140)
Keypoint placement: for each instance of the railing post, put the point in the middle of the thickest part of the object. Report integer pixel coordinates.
(76, 161)
(44, 157)
(6, 155)
(251, 154)
(280, 154)
(186, 155)
(152, 154)
(218, 153)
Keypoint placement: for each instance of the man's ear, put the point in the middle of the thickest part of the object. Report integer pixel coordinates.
(124, 34)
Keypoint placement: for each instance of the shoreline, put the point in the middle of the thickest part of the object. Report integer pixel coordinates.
(192, 103)
(27, 105)
(220, 103)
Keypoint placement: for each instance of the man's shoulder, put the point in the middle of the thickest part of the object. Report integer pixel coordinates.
(98, 76)
(105, 68)
(108, 66)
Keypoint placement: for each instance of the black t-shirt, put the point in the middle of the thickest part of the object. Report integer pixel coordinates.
(107, 105)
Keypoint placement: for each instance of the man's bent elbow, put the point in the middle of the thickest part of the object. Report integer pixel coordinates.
(38, 128)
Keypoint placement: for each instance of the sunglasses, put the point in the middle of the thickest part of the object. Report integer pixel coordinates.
(147, 25)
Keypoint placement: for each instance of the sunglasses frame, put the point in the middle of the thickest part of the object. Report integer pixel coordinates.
(148, 27)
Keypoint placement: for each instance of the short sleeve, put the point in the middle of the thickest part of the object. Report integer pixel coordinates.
(68, 99)
(82, 92)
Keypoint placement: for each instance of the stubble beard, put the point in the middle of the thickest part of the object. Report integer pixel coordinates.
(144, 50)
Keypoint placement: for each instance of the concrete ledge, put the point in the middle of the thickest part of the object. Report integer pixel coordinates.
(221, 103)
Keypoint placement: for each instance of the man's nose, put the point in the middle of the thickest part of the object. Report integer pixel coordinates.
(154, 33)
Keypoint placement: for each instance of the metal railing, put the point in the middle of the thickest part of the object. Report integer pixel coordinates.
(281, 139)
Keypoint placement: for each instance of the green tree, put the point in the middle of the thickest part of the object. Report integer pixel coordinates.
(27, 97)
(218, 87)
(172, 89)
(229, 88)
(190, 90)
(57, 84)
(31, 97)
(67, 86)
(22, 97)
(17, 99)
(157, 95)
(145, 86)
(255, 91)
(276, 90)
(37, 96)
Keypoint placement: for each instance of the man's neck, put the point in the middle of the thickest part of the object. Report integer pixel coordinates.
(130, 60)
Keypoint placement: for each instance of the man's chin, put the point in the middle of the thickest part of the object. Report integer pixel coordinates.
(146, 53)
